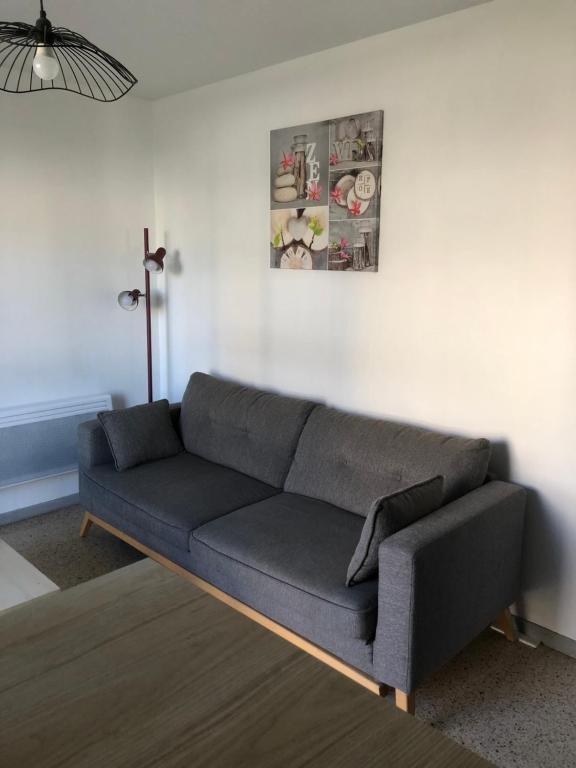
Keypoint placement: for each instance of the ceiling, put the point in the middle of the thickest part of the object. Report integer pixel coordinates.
(176, 45)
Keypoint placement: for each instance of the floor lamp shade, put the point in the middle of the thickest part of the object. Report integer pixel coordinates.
(154, 262)
(129, 299)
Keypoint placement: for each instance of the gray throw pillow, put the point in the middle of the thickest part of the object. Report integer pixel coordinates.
(388, 515)
(140, 434)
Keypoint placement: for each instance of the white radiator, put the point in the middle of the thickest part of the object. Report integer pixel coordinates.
(57, 409)
(38, 456)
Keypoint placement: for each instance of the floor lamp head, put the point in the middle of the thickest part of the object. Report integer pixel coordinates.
(129, 299)
(154, 262)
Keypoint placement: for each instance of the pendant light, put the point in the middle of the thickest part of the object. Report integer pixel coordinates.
(41, 57)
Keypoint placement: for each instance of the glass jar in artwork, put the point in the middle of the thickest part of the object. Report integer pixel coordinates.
(358, 254)
(368, 142)
(365, 231)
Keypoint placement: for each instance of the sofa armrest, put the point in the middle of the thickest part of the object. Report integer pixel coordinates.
(443, 580)
(93, 448)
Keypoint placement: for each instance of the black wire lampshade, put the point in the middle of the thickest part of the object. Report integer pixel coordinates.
(41, 57)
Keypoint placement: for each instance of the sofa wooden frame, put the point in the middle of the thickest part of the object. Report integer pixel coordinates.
(404, 701)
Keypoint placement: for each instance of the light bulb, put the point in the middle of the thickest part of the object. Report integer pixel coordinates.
(127, 301)
(45, 64)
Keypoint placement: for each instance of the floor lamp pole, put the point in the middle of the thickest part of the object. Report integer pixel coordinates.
(153, 262)
(148, 318)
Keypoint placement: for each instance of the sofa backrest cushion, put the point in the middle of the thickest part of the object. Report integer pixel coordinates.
(350, 461)
(249, 430)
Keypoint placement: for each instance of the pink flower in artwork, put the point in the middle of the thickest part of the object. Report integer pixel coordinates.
(287, 161)
(334, 159)
(314, 191)
(356, 208)
(336, 195)
(344, 243)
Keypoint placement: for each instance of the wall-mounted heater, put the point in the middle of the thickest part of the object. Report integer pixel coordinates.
(38, 455)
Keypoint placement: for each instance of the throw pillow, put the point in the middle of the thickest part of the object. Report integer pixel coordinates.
(140, 434)
(387, 515)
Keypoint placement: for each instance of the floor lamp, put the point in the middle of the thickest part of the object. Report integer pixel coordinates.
(153, 262)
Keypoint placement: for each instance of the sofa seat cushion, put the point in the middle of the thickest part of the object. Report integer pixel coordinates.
(287, 557)
(170, 497)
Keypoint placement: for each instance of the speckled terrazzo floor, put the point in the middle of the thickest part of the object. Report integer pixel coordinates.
(513, 705)
(51, 543)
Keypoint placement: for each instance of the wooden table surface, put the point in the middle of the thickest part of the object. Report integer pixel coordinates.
(141, 669)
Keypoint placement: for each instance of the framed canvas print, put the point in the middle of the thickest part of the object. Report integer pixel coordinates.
(325, 194)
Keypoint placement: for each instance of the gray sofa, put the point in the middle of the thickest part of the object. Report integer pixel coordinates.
(267, 502)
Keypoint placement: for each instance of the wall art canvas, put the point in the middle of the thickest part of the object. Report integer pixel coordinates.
(325, 194)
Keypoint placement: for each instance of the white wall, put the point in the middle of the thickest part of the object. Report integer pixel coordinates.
(76, 190)
(470, 324)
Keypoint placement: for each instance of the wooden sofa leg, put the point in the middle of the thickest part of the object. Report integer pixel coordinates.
(505, 622)
(406, 701)
(86, 525)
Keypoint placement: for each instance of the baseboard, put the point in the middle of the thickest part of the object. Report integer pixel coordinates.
(38, 509)
(547, 637)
